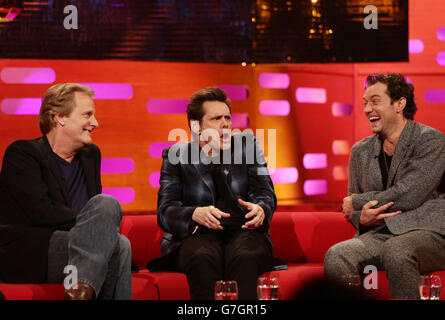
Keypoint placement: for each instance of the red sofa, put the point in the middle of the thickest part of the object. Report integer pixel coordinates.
(300, 238)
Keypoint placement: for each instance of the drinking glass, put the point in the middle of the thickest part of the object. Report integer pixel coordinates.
(352, 281)
(429, 287)
(226, 290)
(268, 288)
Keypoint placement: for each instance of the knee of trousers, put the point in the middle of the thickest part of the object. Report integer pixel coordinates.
(106, 205)
(337, 258)
(395, 255)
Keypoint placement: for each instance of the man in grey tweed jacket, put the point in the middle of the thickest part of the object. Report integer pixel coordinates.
(396, 198)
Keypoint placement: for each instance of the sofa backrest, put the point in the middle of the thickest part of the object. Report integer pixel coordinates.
(306, 236)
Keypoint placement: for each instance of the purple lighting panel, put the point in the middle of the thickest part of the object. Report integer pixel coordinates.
(235, 92)
(111, 91)
(22, 75)
(441, 34)
(274, 107)
(315, 161)
(435, 96)
(240, 120)
(274, 80)
(284, 175)
(415, 46)
(116, 165)
(123, 195)
(441, 58)
(311, 95)
(154, 179)
(340, 109)
(315, 187)
(167, 106)
(155, 149)
(21, 106)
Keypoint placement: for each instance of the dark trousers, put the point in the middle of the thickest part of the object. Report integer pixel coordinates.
(240, 255)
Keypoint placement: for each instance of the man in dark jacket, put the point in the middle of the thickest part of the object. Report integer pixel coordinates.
(55, 225)
(215, 202)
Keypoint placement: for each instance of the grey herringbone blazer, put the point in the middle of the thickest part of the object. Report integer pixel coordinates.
(416, 181)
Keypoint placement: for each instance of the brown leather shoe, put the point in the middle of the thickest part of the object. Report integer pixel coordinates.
(83, 292)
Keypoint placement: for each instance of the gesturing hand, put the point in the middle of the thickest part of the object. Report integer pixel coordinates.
(209, 217)
(374, 217)
(255, 211)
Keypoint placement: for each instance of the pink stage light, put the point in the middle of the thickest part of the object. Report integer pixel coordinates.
(167, 106)
(156, 148)
(340, 147)
(154, 179)
(441, 34)
(274, 107)
(21, 106)
(23, 75)
(340, 109)
(435, 96)
(415, 46)
(274, 80)
(111, 91)
(235, 92)
(284, 175)
(117, 165)
(315, 161)
(340, 173)
(240, 120)
(441, 58)
(311, 95)
(123, 195)
(315, 187)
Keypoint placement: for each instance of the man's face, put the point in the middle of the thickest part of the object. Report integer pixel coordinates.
(381, 114)
(81, 121)
(216, 125)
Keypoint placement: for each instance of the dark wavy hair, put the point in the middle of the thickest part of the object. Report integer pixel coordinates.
(194, 107)
(397, 88)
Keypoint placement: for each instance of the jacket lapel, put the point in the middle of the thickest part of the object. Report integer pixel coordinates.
(400, 152)
(48, 155)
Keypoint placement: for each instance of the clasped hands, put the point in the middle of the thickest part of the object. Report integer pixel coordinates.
(369, 216)
(210, 216)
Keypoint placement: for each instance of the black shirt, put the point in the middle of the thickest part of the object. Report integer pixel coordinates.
(75, 182)
(385, 165)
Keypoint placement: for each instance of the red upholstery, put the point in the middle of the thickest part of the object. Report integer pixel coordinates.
(300, 238)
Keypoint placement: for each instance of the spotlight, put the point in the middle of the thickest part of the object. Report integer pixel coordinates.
(10, 9)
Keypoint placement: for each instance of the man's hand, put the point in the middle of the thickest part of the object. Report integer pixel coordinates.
(256, 212)
(347, 206)
(374, 217)
(209, 217)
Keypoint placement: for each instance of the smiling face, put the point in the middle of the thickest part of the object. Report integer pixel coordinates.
(79, 124)
(216, 125)
(382, 115)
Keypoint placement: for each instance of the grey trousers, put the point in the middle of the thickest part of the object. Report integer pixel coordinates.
(403, 257)
(100, 255)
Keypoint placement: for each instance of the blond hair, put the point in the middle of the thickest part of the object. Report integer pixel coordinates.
(59, 99)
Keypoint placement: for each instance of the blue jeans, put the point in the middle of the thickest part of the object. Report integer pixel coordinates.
(94, 247)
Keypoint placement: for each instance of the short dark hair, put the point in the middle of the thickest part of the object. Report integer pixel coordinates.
(194, 107)
(397, 88)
